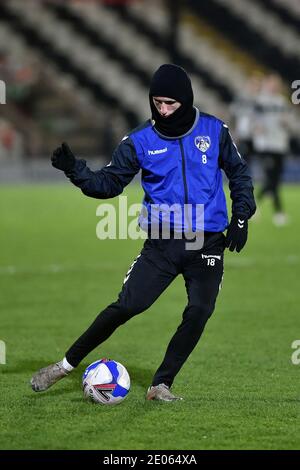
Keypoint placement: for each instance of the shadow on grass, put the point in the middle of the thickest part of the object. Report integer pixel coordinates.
(58, 390)
(140, 375)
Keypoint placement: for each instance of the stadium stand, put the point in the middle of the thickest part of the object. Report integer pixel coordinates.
(91, 63)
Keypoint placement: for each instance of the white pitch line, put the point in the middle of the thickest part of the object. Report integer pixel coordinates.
(50, 269)
(235, 262)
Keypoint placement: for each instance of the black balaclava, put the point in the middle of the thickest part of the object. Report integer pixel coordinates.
(172, 81)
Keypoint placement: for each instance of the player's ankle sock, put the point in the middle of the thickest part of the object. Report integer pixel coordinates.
(66, 365)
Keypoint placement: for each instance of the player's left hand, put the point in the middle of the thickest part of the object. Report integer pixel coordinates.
(237, 233)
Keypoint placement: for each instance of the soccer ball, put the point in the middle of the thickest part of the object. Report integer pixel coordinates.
(106, 382)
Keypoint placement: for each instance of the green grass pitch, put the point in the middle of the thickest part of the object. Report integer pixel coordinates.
(240, 388)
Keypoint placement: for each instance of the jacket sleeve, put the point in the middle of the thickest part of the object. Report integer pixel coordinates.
(111, 179)
(238, 174)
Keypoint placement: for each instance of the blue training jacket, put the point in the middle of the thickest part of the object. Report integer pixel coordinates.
(184, 172)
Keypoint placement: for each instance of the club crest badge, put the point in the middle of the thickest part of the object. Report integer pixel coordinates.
(202, 142)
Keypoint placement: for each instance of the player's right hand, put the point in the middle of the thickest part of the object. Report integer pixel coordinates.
(62, 158)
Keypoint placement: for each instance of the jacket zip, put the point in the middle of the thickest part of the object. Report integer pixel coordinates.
(184, 173)
(186, 198)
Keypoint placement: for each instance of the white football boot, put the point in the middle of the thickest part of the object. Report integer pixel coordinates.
(48, 376)
(161, 392)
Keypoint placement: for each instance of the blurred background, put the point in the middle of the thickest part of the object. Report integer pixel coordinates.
(79, 71)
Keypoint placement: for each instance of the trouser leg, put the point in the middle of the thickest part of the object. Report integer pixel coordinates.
(146, 279)
(202, 278)
(277, 168)
(273, 164)
(265, 164)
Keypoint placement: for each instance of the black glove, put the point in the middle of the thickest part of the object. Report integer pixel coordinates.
(62, 158)
(237, 233)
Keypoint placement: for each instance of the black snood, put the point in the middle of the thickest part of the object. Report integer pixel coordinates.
(172, 81)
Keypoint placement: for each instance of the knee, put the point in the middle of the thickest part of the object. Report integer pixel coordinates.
(123, 311)
(199, 311)
(133, 305)
(115, 314)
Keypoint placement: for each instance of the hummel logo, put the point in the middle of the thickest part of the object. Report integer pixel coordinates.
(211, 256)
(156, 152)
(241, 223)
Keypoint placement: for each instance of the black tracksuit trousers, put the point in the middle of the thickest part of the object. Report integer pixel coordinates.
(159, 262)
